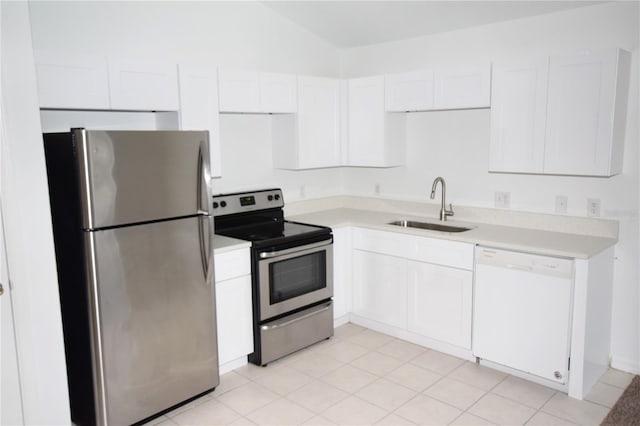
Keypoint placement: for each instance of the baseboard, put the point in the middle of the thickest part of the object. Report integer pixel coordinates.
(623, 364)
(232, 365)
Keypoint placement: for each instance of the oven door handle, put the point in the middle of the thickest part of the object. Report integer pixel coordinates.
(270, 254)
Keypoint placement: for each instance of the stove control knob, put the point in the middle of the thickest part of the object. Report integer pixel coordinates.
(223, 204)
(277, 196)
(270, 198)
(215, 204)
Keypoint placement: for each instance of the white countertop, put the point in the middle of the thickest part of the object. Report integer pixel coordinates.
(223, 244)
(537, 241)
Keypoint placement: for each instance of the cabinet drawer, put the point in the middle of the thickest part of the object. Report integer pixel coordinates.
(413, 247)
(231, 264)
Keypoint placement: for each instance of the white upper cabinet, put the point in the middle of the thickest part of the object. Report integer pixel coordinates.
(462, 87)
(311, 138)
(409, 91)
(88, 82)
(72, 82)
(255, 92)
(143, 85)
(375, 138)
(278, 92)
(238, 90)
(199, 107)
(456, 87)
(563, 115)
(586, 113)
(518, 114)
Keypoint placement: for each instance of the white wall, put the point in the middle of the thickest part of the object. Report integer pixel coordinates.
(29, 238)
(229, 34)
(454, 144)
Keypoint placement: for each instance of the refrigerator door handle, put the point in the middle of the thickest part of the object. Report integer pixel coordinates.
(203, 186)
(206, 248)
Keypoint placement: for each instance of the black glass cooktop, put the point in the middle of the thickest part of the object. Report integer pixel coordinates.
(273, 231)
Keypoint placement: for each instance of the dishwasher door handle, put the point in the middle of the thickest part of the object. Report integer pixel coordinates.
(526, 268)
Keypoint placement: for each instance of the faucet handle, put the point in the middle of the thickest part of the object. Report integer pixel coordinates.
(450, 211)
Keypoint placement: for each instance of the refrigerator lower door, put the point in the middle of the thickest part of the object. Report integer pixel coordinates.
(153, 331)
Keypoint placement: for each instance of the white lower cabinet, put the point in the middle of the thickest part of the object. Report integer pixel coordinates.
(341, 275)
(439, 303)
(233, 307)
(380, 288)
(421, 286)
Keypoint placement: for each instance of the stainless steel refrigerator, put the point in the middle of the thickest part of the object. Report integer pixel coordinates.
(133, 239)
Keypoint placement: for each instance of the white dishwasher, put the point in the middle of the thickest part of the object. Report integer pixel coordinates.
(522, 311)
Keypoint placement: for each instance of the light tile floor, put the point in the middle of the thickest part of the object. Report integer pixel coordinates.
(361, 377)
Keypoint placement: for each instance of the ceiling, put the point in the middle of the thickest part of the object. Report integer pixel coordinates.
(347, 24)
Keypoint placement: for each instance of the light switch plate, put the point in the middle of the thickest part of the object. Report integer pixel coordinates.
(593, 207)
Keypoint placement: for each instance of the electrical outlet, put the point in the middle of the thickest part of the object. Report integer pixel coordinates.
(561, 203)
(376, 189)
(502, 200)
(302, 191)
(593, 207)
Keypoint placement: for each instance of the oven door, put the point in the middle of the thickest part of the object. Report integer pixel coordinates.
(294, 278)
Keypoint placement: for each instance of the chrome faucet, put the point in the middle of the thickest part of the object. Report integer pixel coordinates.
(443, 211)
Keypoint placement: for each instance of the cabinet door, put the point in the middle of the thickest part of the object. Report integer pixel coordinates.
(278, 92)
(239, 91)
(518, 115)
(462, 87)
(318, 122)
(199, 107)
(72, 81)
(366, 122)
(440, 300)
(341, 272)
(380, 288)
(580, 110)
(234, 316)
(409, 91)
(143, 85)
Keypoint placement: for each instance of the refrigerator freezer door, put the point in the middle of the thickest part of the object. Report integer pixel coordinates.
(137, 176)
(153, 308)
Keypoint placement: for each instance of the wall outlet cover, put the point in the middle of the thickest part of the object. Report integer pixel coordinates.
(502, 200)
(561, 203)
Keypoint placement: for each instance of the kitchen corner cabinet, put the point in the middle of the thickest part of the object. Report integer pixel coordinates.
(562, 115)
(310, 138)
(256, 92)
(199, 107)
(380, 288)
(419, 286)
(90, 82)
(375, 138)
(440, 88)
(233, 307)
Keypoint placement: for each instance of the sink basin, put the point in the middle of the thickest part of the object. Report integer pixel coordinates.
(429, 226)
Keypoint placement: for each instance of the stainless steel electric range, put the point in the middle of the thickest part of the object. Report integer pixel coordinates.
(292, 272)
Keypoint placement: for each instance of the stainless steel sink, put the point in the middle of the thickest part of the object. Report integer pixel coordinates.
(429, 226)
